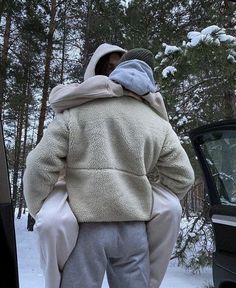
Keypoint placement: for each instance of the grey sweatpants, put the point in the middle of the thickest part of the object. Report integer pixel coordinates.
(120, 248)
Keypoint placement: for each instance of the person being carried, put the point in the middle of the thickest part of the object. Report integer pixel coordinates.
(164, 197)
(97, 248)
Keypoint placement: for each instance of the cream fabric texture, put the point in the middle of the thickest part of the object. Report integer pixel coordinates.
(63, 97)
(57, 230)
(67, 96)
(110, 147)
(101, 51)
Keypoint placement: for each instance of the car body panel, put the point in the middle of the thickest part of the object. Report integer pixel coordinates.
(215, 147)
(9, 270)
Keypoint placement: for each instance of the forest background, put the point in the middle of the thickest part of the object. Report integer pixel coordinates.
(47, 42)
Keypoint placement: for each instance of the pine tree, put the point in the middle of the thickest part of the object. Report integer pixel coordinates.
(196, 75)
(95, 26)
(6, 9)
(198, 80)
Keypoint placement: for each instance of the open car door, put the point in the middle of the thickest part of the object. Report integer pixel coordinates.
(9, 268)
(215, 147)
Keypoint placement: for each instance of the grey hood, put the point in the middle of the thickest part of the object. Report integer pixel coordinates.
(102, 50)
(136, 76)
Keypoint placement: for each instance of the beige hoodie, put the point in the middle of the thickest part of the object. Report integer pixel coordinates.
(63, 97)
(101, 51)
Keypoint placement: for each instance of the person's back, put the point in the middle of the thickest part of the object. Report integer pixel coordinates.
(111, 145)
(113, 142)
(109, 192)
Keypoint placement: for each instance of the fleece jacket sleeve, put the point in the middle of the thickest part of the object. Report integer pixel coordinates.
(175, 170)
(44, 163)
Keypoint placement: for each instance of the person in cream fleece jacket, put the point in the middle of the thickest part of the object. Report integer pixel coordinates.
(150, 143)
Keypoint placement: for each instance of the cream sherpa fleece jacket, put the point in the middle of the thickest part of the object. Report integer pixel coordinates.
(109, 147)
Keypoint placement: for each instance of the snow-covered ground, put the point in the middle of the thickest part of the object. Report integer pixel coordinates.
(31, 276)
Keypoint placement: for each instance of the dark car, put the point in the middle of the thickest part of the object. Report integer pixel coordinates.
(215, 147)
(9, 268)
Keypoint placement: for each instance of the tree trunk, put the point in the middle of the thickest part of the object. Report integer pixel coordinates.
(26, 116)
(18, 161)
(3, 61)
(88, 20)
(17, 158)
(48, 59)
(63, 46)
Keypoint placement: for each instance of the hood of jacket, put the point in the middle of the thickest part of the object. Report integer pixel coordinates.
(101, 51)
(136, 76)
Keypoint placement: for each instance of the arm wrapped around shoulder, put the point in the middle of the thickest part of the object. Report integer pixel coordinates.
(63, 97)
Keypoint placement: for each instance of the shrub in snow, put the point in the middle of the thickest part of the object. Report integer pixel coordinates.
(195, 246)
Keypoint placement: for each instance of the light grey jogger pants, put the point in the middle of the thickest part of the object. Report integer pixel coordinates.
(57, 230)
(122, 246)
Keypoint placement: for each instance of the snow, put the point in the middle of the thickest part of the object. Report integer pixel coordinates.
(210, 34)
(30, 274)
(170, 49)
(168, 70)
(210, 29)
(231, 58)
(182, 121)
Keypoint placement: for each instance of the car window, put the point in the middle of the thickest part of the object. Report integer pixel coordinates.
(219, 149)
